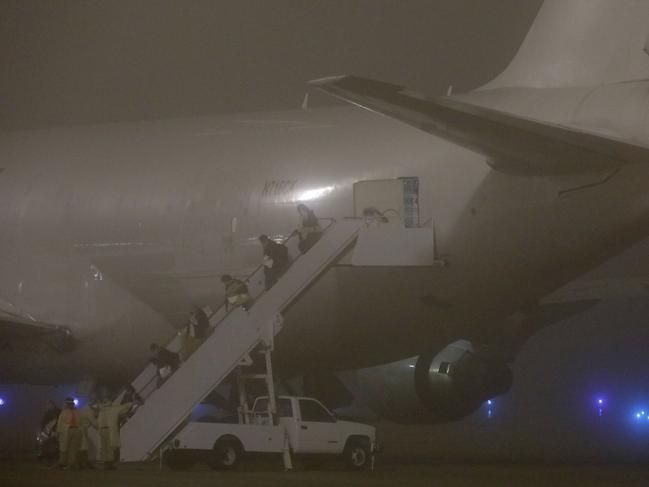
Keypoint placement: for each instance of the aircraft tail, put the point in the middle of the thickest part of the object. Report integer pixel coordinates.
(582, 43)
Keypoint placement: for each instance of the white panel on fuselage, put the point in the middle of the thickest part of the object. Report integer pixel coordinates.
(394, 245)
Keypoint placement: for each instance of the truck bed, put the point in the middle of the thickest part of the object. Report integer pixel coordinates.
(254, 437)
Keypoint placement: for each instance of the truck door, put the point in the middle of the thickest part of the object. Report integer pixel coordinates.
(317, 429)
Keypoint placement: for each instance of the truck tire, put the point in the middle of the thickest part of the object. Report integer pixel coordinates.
(178, 460)
(357, 454)
(226, 454)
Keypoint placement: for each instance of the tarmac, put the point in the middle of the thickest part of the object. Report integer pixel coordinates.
(18, 474)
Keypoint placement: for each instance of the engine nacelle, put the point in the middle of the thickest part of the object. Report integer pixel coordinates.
(442, 386)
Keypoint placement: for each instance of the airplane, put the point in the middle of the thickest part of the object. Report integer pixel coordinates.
(114, 233)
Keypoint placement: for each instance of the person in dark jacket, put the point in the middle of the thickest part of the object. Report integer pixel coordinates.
(131, 395)
(166, 361)
(195, 332)
(309, 230)
(50, 414)
(199, 323)
(48, 442)
(275, 260)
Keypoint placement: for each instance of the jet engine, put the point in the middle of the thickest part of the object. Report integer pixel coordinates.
(432, 387)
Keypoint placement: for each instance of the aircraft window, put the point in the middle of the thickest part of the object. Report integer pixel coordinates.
(284, 407)
(261, 405)
(312, 411)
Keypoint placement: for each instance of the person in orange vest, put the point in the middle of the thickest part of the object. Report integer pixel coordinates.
(69, 434)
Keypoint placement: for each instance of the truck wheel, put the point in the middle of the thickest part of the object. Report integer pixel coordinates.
(226, 455)
(176, 460)
(357, 455)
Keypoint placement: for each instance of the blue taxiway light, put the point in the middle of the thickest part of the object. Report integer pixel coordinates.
(76, 401)
(599, 404)
(2, 402)
(490, 411)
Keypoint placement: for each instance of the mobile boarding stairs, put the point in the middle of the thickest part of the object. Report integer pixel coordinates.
(237, 332)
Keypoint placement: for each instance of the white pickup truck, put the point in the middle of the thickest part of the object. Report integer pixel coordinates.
(305, 428)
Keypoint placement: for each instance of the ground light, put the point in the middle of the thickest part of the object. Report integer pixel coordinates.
(2, 402)
(600, 403)
(641, 415)
(490, 408)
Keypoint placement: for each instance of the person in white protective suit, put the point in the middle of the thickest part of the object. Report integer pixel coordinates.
(108, 424)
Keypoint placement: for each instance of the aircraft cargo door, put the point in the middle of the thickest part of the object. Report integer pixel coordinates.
(392, 235)
(396, 199)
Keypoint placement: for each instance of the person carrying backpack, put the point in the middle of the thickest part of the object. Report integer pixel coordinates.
(275, 260)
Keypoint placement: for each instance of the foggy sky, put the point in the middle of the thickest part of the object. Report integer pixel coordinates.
(88, 61)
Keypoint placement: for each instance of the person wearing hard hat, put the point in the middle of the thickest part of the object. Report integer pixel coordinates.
(108, 424)
(69, 435)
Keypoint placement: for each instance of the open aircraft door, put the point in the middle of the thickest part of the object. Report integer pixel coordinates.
(392, 235)
(395, 199)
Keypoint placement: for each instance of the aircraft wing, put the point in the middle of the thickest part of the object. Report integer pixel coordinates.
(20, 331)
(512, 143)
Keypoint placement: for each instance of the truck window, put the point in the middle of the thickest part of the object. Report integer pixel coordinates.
(312, 411)
(284, 407)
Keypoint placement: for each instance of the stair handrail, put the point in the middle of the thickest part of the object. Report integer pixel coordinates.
(247, 279)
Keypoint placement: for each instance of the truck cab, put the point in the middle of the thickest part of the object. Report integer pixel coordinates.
(312, 428)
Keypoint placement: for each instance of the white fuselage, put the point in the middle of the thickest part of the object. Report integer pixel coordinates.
(117, 231)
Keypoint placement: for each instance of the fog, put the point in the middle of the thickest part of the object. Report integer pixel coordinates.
(87, 62)
(77, 62)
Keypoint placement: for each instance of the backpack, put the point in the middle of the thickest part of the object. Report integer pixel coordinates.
(282, 252)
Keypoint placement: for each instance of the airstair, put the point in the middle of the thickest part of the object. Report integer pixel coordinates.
(235, 335)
